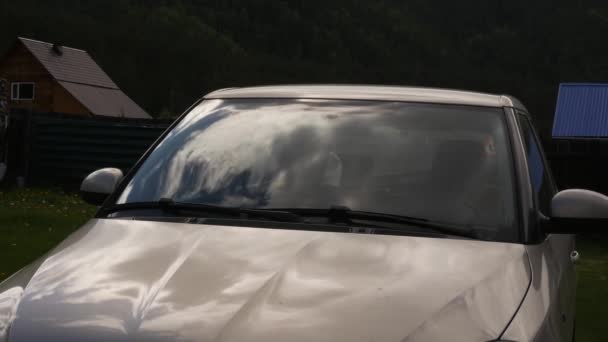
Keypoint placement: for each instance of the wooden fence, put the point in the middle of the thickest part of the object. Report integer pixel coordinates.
(579, 163)
(55, 149)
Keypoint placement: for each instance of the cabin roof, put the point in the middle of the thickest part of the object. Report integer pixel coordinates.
(73, 65)
(82, 77)
(581, 111)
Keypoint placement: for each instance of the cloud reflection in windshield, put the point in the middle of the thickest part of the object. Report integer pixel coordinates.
(374, 156)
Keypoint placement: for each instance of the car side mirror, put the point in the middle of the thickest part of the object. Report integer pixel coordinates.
(578, 211)
(98, 185)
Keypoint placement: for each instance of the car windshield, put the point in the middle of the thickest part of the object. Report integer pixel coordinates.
(445, 163)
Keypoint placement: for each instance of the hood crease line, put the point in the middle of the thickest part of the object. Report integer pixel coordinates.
(155, 289)
(268, 283)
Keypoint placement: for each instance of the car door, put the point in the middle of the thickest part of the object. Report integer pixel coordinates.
(556, 249)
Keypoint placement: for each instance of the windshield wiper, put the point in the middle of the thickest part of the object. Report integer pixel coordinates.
(341, 214)
(168, 205)
(335, 214)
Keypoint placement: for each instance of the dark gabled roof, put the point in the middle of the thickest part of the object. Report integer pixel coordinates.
(80, 75)
(72, 66)
(581, 111)
(113, 102)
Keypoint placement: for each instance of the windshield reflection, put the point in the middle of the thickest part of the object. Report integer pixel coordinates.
(442, 162)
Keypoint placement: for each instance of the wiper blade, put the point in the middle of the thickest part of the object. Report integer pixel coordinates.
(340, 214)
(166, 204)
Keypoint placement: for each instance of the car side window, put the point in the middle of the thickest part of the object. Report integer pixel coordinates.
(541, 180)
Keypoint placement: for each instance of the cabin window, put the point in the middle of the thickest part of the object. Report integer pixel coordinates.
(22, 91)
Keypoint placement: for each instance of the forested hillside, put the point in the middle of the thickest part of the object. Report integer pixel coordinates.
(165, 54)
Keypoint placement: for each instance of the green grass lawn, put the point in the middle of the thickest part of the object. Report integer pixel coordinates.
(34, 220)
(592, 291)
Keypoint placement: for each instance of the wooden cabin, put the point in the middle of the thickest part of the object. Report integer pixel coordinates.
(44, 77)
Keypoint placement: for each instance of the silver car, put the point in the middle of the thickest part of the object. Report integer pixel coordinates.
(319, 213)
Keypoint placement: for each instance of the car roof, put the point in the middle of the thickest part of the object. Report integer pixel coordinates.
(369, 92)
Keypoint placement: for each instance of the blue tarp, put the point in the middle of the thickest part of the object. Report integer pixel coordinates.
(581, 111)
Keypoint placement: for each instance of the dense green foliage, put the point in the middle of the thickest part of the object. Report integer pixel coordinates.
(165, 54)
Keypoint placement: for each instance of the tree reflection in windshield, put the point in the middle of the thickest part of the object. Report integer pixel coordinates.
(442, 162)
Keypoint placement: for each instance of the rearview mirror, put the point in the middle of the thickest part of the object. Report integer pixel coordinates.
(98, 185)
(578, 211)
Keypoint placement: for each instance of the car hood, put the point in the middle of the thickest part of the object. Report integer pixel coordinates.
(156, 281)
